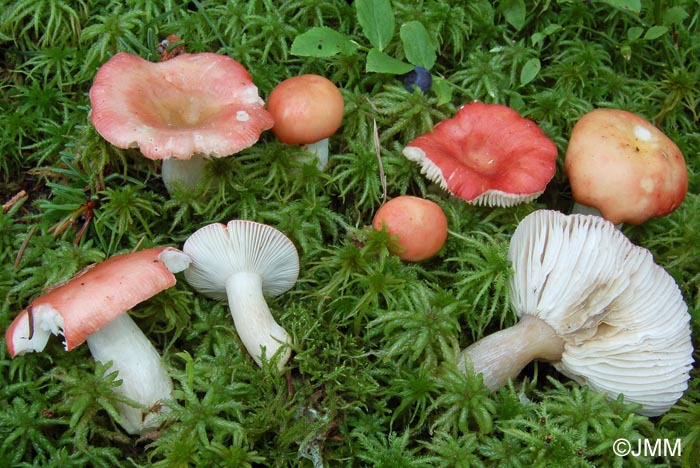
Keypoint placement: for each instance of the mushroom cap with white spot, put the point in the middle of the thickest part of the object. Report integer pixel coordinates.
(193, 104)
(625, 167)
(219, 251)
(622, 317)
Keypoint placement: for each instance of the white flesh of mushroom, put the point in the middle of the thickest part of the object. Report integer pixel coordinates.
(241, 262)
(595, 305)
(320, 150)
(183, 174)
(143, 376)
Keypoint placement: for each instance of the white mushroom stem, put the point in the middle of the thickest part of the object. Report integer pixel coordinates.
(502, 355)
(183, 174)
(254, 323)
(320, 150)
(144, 379)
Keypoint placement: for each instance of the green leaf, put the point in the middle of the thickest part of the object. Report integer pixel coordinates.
(514, 12)
(379, 62)
(674, 15)
(635, 32)
(538, 37)
(443, 90)
(322, 42)
(635, 6)
(417, 44)
(655, 32)
(377, 20)
(530, 71)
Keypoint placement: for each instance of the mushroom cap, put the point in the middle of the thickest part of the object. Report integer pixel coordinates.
(486, 154)
(419, 224)
(94, 297)
(201, 103)
(623, 320)
(625, 167)
(306, 109)
(219, 251)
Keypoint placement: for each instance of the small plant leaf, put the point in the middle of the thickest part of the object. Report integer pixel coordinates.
(674, 15)
(635, 6)
(530, 71)
(322, 42)
(634, 33)
(417, 44)
(655, 32)
(379, 62)
(514, 12)
(443, 90)
(377, 20)
(538, 37)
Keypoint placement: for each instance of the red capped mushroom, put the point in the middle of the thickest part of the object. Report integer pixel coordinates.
(307, 110)
(92, 307)
(624, 167)
(181, 110)
(420, 227)
(487, 154)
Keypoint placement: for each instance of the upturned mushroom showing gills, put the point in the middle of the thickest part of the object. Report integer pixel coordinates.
(623, 166)
(91, 307)
(594, 305)
(307, 110)
(181, 110)
(487, 154)
(241, 262)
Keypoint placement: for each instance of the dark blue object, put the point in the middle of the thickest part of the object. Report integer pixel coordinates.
(420, 77)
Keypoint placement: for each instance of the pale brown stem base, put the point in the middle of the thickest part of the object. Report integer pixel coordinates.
(502, 355)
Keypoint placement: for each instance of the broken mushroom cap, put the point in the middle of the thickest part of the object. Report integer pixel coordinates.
(92, 307)
(191, 106)
(242, 262)
(307, 110)
(420, 227)
(597, 307)
(625, 167)
(487, 154)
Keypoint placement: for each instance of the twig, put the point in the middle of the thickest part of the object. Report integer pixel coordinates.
(13, 201)
(22, 247)
(377, 150)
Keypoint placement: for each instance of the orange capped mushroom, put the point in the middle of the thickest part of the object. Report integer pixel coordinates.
(420, 227)
(624, 167)
(307, 109)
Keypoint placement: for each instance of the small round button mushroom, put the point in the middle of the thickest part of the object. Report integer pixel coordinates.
(486, 154)
(594, 305)
(241, 262)
(624, 167)
(420, 227)
(307, 110)
(92, 307)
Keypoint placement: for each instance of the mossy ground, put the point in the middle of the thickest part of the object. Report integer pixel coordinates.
(372, 381)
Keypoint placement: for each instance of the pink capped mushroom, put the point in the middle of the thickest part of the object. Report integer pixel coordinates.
(623, 166)
(182, 110)
(92, 307)
(487, 154)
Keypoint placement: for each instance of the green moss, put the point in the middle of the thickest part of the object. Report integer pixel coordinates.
(372, 381)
